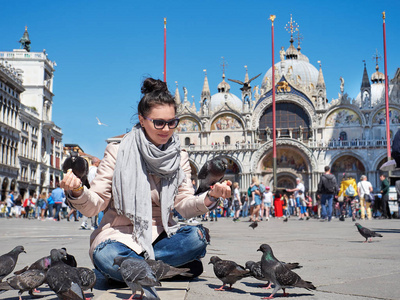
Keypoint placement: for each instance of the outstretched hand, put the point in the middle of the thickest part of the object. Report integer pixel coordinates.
(222, 189)
(72, 183)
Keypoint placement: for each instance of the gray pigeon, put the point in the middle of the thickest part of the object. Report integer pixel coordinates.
(70, 260)
(255, 270)
(42, 264)
(9, 260)
(138, 275)
(228, 271)
(367, 233)
(87, 277)
(279, 274)
(211, 172)
(254, 225)
(63, 279)
(27, 281)
(165, 271)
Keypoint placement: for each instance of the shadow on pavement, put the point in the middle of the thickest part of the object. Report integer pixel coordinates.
(233, 290)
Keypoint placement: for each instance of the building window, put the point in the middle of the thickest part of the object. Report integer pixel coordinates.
(227, 140)
(187, 141)
(343, 136)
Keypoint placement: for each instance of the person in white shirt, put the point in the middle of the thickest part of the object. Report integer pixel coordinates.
(364, 189)
(299, 187)
(267, 203)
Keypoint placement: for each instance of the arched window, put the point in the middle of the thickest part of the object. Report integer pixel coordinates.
(187, 141)
(343, 136)
(227, 140)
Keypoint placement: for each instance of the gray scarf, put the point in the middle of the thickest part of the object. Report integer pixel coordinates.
(137, 158)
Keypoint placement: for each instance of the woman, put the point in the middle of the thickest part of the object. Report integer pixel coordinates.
(364, 189)
(139, 182)
(278, 206)
(266, 203)
(18, 206)
(256, 195)
(237, 203)
(348, 190)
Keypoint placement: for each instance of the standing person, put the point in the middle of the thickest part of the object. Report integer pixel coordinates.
(267, 203)
(91, 175)
(299, 187)
(50, 207)
(9, 204)
(348, 190)
(285, 205)
(278, 205)
(58, 196)
(42, 204)
(18, 206)
(327, 189)
(245, 207)
(256, 195)
(27, 206)
(237, 203)
(292, 205)
(365, 189)
(385, 197)
(140, 181)
(309, 205)
(34, 205)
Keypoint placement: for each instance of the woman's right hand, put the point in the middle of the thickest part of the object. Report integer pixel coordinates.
(72, 183)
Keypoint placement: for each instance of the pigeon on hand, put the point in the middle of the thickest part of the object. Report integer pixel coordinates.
(70, 259)
(279, 274)
(367, 233)
(394, 163)
(254, 225)
(9, 260)
(165, 271)
(79, 167)
(63, 279)
(228, 271)
(138, 275)
(211, 172)
(27, 281)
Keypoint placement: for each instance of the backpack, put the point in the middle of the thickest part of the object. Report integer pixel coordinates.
(329, 185)
(249, 192)
(350, 191)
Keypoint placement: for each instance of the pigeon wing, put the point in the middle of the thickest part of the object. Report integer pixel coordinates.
(7, 265)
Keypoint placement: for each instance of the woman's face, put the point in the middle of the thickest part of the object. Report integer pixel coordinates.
(158, 112)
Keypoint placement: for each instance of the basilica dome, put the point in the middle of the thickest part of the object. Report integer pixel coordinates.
(302, 71)
(224, 96)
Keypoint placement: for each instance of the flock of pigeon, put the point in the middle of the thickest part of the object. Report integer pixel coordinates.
(269, 269)
(59, 271)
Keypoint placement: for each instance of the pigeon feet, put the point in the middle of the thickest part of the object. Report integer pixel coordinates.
(265, 286)
(269, 297)
(220, 289)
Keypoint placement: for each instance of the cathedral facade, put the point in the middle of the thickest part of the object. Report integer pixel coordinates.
(347, 134)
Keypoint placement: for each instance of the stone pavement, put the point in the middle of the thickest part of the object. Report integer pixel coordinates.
(332, 255)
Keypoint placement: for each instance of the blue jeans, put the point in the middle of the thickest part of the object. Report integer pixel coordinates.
(188, 244)
(58, 208)
(326, 200)
(50, 210)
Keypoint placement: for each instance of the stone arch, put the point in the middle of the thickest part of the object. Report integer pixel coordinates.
(347, 113)
(188, 123)
(291, 98)
(378, 117)
(287, 143)
(226, 120)
(379, 161)
(350, 163)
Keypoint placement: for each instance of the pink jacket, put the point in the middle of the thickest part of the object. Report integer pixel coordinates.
(118, 227)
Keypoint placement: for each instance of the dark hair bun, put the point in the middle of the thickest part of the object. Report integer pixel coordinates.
(153, 85)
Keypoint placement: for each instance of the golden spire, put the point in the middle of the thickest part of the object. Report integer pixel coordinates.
(272, 18)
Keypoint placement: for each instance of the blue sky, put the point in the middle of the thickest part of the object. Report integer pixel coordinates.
(104, 49)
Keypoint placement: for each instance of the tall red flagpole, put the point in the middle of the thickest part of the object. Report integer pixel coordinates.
(165, 49)
(389, 153)
(272, 18)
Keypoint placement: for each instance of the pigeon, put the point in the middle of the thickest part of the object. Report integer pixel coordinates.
(79, 167)
(254, 225)
(87, 277)
(279, 274)
(255, 270)
(138, 275)
(42, 264)
(9, 260)
(165, 271)
(70, 260)
(63, 279)
(367, 233)
(228, 271)
(27, 281)
(394, 163)
(211, 172)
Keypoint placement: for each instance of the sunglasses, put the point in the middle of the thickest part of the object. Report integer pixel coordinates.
(160, 124)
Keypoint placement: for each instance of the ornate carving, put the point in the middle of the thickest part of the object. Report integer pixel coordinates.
(283, 87)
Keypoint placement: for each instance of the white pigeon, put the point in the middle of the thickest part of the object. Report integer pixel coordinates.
(99, 123)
